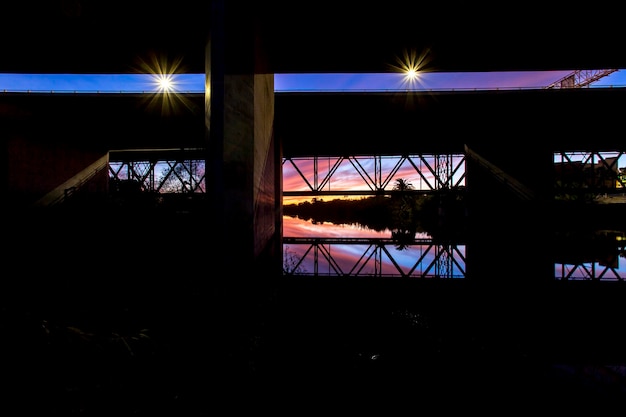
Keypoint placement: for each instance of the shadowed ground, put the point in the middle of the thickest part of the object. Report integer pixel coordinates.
(144, 332)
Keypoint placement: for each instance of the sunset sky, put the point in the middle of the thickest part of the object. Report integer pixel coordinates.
(299, 82)
(360, 173)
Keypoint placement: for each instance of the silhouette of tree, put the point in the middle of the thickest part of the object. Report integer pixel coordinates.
(183, 177)
(291, 262)
(402, 185)
(404, 214)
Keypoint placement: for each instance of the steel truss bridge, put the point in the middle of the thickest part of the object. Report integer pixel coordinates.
(176, 171)
(593, 173)
(166, 170)
(180, 171)
(308, 256)
(377, 174)
(581, 78)
(183, 171)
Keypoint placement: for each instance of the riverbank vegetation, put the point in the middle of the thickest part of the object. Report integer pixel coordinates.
(404, 212)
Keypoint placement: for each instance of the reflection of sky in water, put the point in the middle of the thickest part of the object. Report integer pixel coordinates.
(589, 270)
(604, 258)
(364, 259)
(294, 227)
(347, 256)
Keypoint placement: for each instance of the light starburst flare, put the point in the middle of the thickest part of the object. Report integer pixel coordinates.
(164, 83)
(165, 86)
(411, 65)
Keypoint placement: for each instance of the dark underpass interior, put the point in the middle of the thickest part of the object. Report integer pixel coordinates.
(102, 313)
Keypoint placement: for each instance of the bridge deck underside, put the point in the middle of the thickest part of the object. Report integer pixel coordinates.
(442, 122)
(340, 124)
(114, 36)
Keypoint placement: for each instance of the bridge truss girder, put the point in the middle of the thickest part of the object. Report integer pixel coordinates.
(377, 259)
(376, 172)
(589, 172)
(182, 176)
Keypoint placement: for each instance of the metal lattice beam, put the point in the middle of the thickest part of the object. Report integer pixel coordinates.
(580, 78)
(323, 256)
(376, 173)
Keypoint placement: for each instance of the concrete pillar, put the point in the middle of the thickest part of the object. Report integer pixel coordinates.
(510, 192)
(243, 160)
(243, 181)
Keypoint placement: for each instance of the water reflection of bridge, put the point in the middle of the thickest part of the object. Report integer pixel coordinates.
(373, 257)
(590, 256)
(597, 260)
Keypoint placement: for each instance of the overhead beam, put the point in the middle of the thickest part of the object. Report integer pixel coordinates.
(117, 36)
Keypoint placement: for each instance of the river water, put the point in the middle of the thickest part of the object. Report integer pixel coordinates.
(328, 249)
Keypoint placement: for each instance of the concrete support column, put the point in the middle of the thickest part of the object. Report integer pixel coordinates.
(508, 252)
(510, 192)
(243, 182)
(243, 165)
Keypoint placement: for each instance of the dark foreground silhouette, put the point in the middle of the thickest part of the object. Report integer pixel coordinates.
(122, 318)
(304, 346)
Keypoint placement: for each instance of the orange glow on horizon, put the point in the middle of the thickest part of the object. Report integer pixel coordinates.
(299, 199)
